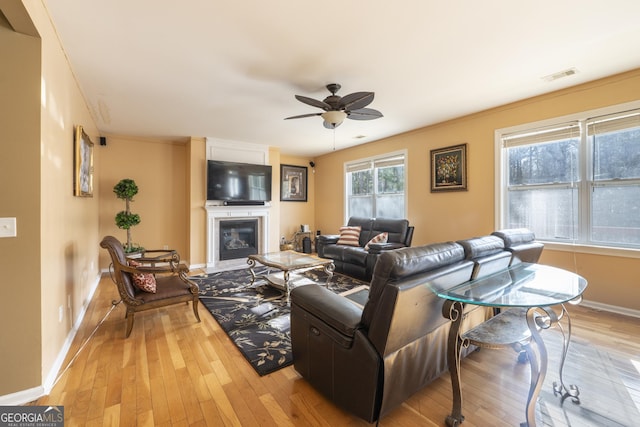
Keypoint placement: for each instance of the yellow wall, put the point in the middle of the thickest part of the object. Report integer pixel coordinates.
(160, 170)
(457, 215)
(52, 263)
(197, 197)
(294, 214)
(20, 346)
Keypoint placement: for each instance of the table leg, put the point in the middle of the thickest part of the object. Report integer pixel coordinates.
(538, 367)
(561, 389)
(453, 310)
(252, 264)
(329, 269)
(287, 289)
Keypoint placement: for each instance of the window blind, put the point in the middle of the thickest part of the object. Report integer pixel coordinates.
(552, 133)
(613, 122)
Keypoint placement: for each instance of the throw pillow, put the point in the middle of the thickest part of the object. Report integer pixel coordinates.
(378, 238)
(144, 281)
(350, 235)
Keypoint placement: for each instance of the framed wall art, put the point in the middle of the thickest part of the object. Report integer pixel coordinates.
(293, 186)
(449, 168)
(83, 164)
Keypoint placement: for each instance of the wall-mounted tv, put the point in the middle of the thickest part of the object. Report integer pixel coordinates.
(238, 182)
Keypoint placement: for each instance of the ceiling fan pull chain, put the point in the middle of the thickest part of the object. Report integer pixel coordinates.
(334, 139)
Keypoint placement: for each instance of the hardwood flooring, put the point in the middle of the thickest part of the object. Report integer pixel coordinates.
(173, 371)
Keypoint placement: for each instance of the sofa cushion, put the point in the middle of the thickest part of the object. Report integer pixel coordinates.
(349, 235)
(521, 242)
(355, 255)
(477, 247)
(378, 238)
(395, 228)
(515, 236)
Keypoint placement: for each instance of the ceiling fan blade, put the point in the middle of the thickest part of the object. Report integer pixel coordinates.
(356, 101)
(330, 125)
(313, 102)
(303, 116)
(364, 114)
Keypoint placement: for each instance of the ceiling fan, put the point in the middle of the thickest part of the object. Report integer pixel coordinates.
(337, 108)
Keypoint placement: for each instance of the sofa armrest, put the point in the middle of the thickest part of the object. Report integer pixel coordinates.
(337, 312)
(377, 248)
(325, 240)
(328, 239)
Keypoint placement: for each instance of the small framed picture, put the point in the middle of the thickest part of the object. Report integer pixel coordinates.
(83, 164)
(293, 187)
(449, 168)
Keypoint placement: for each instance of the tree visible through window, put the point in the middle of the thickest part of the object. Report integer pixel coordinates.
(375, 187)
(577, 181)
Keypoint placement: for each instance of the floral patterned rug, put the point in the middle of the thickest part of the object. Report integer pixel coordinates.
(256, 317)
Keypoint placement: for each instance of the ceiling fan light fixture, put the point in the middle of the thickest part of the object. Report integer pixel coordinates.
(334, 118)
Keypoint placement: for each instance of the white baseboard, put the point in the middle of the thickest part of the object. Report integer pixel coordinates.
(29, 395)
(22, 397)
(50, 380)
(611, 308)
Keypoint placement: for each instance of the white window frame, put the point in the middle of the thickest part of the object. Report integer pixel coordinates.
(501, 169)
(373, 159)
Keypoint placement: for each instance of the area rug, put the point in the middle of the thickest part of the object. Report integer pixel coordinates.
(256, 316)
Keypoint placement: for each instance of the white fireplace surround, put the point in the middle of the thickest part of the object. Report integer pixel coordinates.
(216, 214)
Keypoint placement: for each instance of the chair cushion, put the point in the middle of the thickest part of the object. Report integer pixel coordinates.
(378, 238)
(144, 281)
(349, 235)
(168, 287)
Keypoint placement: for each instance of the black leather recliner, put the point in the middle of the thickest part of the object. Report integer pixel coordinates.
(356, 261)
(369, 360)
(521, 242)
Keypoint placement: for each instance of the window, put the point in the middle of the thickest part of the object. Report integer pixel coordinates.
(376, 187)
(575, 181)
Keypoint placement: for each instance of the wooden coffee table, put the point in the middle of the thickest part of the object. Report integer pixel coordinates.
(286, 262)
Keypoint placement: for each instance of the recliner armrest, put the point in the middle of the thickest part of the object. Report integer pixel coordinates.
(377, 248)
(325, 240)
(328, 239)
(337, 312)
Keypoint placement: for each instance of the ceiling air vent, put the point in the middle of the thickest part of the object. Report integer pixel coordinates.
(560, 74)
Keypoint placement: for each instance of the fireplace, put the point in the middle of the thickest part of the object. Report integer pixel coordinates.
(234, 233)
(238, 238)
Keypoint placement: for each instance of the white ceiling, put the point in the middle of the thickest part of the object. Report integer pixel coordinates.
(230, 69)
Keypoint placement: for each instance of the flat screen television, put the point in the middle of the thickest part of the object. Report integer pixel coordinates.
(238, 182)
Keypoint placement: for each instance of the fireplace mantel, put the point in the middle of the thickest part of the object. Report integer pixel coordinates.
(217, 213)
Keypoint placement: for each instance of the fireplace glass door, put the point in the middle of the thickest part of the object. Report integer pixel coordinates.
(238, 238)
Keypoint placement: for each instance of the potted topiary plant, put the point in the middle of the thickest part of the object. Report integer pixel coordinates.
(125, 190)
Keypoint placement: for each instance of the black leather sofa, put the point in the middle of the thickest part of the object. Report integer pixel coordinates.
(369, 360)
(356, 261)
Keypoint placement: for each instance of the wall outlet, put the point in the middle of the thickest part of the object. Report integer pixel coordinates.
(165, 247)
(8, 227)
(60, 314)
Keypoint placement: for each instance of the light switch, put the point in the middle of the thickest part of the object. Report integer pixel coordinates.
(8, 227)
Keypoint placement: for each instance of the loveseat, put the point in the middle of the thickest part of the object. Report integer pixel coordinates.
(368, 360)
(357, 257)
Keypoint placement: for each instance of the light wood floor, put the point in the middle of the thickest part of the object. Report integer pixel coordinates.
(173, 371)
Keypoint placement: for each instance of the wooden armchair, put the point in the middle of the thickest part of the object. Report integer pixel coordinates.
(172, 284)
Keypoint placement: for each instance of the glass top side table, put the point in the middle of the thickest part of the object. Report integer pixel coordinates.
(526, 294)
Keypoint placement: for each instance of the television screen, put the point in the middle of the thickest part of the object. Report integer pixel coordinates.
(238, 182)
